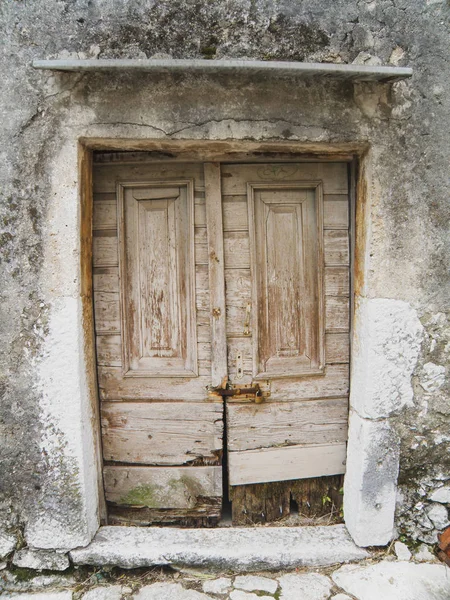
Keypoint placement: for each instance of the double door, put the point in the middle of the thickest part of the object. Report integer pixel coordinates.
(221, 295)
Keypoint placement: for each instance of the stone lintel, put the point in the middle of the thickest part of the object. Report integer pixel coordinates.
(340, 71)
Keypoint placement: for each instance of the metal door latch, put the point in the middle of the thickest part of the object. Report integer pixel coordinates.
(242, 393)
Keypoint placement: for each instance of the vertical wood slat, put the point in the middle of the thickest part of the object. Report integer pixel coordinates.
(214, 225)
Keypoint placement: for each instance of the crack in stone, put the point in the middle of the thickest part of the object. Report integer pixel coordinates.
(192, 125)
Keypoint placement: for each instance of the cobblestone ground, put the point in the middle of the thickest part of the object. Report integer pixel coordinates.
(385, 577)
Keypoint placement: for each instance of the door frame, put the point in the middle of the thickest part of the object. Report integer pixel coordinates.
(359, 157)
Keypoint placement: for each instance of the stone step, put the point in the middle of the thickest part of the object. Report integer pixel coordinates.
(237, 548)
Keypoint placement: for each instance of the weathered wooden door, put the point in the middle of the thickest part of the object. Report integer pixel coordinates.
(286, 229)
(208, 276)
(161, 433)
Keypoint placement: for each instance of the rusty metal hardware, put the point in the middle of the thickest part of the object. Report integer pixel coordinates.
(239, 365)
(247, 319)
(250, 393)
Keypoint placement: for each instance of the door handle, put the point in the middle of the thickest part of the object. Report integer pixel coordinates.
(248, 311)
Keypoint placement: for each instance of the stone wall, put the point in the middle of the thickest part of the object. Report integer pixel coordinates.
(44, 434)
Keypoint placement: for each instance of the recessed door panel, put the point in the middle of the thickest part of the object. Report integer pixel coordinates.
(157, 272)
(287, 271)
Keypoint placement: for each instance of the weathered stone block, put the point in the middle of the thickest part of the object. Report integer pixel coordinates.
(164, 591)
(241, 595)
(394, 580)
(441, 495)
(110, 592)
(40, 559)
(241, 549)
(7, 544)
(385, 354)
(402, 551)
(371, 481)
(253, 583)
(438, 515)
(433, 377)
(310, 586)
(222, 585)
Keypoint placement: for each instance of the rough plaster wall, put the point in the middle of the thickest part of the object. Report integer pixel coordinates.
(42, 115)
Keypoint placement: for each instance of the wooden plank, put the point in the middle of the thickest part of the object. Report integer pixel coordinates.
(105, 215)
(337, 315)
(336, 245)
(169, 433)
(336, 351)
(337, 348)
(106, 279)
(333, 175)
(109, 350)
(202, 299)
(105, 249)
(113, 386)
(238, 295)
(200, 214)
(253, 426)
(234, 213)
(216, 272)
(161, 487)
(238, 285)
(107, 176)
(335, 213)
(290, 462)
(203, 333)
(337, 281)
(106, 197)
(244, 347)
(106, 312)
(206, 513)
(334, 382)
(236, 248)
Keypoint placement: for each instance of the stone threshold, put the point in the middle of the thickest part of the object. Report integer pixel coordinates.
(239, 549)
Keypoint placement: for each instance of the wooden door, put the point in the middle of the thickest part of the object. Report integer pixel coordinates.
(287, 296)
(204, 273)
(161, 433)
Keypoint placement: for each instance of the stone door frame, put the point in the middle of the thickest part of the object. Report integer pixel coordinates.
(372, 456)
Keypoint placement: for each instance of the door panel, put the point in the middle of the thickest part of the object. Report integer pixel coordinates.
(161, 433)
(157, 274)
(287, 276)
(297, 345)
